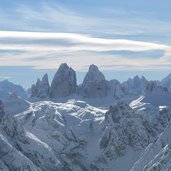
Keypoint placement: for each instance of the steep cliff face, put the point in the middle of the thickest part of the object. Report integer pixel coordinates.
(64, 82)
(166, 82)
(41, 88)
(115, 89)
(135, 86)
(94, 84)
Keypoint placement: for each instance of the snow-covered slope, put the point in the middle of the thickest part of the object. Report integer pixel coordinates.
(78, 136)
(21, 150)
(10, 90)
(93, 127)
(155, 107)
(125, 136)
(71, 129)
(84, 137)
(15, 106)
(13, 97)
(157, 156)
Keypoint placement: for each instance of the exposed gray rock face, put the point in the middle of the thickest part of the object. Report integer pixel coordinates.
(135, 86)
(166, 82)
(115, 88)
(153, 87)
(64, 82)
(155, 95)
(94, 84)
(41, 88)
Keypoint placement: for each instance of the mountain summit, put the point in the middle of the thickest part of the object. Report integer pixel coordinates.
(64, 82)
(94, 84)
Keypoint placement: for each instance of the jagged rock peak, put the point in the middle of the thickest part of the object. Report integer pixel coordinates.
(64, 82)
(45, 78)
(64, 66)
(93, 68)
(115, 89)
(143, 78)
(118, 111)
(94, 73)
(124, 130)
(94, 84)
(41, 88)
(153, 87)
(135, 86)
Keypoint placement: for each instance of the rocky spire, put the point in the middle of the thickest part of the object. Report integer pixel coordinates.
(135, 86)
(41, 88)
(64, 82)
(94, 84)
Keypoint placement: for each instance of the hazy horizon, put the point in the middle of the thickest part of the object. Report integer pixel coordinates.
(121, 76)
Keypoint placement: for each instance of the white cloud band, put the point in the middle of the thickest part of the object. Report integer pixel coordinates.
(48, 50)
(77, 42)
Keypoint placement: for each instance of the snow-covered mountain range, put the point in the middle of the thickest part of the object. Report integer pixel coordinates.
(99, 125)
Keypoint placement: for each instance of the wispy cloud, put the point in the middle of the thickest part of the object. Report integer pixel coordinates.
(70, 41)
(44, 50)
(58, 18)
(53, 38)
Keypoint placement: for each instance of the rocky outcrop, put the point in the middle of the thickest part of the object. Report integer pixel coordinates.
(41, 88)
(115, 88)
(153, 87)
(166, 82)
(64, 82)
(94, 84)
(135, 86)
(124, 130)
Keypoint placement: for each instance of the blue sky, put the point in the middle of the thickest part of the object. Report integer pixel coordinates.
(124, 38)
